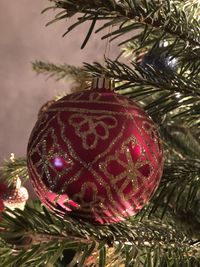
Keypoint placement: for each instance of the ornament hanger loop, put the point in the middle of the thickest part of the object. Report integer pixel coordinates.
(107, 49)
(104, 82)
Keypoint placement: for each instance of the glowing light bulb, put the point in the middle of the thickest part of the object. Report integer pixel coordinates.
(178, 95)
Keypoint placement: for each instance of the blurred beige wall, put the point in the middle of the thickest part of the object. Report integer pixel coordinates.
(24, 38)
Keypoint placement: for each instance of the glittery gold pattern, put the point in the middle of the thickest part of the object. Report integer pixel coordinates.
(95, 155)
(86, 127)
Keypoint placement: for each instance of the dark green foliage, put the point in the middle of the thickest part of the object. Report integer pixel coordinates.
(13, 168)
(153, 20)
(46, 237)
(59, 72)
(160, 92)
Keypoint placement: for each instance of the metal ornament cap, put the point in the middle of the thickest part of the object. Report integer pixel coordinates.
(102, 83)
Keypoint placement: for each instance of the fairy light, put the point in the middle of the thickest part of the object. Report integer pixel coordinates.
(178, 95)
(12, 157)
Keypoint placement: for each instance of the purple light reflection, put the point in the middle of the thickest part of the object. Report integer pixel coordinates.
(58, 162)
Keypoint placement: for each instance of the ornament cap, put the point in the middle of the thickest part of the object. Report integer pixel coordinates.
(102, 83)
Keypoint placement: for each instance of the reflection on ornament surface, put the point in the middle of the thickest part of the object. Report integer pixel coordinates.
(58, 163)
(96, 155)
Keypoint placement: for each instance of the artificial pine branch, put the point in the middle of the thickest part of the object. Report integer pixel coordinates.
(63, 71)
(182, 139)
(162, 15)
(152, 21)
(187, 187)
(169, 101)
(191, 7)
(140, 83)
(146, 77)
(42, 226)
(137, 82)
(187, 56)
(13, 168)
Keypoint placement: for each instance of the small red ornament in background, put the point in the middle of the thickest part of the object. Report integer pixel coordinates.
(14, 196)
(96, 155)
(16, 199)
(3, 189)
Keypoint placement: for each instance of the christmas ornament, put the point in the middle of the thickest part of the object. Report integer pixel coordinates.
(159, 59)
(45, 107)
(12, 197)
(16, 199)
(3, 189)
(16, 196)
(95, 154)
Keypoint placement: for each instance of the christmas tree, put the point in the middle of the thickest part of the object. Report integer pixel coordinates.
(158, 67)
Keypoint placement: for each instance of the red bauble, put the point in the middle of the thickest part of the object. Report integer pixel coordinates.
(95, 154)
(3, 190)
(14, 196)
